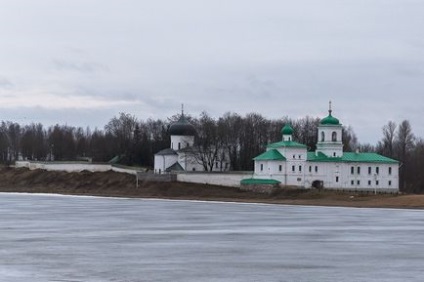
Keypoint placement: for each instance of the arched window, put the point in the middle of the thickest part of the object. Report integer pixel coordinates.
(322, 136)
(334, 136)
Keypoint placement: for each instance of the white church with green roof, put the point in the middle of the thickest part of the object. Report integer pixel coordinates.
(288, 163)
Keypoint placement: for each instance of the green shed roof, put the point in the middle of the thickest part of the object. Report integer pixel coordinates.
(289, 144)
(270, 155)
(351, 157)
(253, 181)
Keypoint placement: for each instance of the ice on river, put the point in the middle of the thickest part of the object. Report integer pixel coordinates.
(64, 238)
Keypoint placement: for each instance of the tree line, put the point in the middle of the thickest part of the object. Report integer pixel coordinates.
(130, 141)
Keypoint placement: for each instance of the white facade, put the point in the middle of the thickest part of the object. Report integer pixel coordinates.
(179, 142)
(328, 167)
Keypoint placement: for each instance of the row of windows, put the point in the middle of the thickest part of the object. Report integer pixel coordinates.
(358, 182)
(377, 170)
(280, 168)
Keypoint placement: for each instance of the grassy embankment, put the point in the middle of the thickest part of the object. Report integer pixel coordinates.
(112, 184)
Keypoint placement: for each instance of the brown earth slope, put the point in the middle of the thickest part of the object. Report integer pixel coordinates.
(113, 184)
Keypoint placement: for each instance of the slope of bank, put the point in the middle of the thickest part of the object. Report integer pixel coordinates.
(113, 184)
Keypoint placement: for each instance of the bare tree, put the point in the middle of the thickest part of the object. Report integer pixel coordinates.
(208, 143)
(388, 142)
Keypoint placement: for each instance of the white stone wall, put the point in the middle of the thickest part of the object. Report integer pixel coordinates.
(220, 179)
(329, 172)
(72, 167)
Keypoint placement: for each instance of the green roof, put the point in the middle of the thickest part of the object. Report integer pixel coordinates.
(330, 120)
(287, 130)
(351, 157)
(286, 144)
(270, 155)
(253, 181)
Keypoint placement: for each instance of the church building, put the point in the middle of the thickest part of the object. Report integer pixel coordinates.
(288, 163)
(183, 155)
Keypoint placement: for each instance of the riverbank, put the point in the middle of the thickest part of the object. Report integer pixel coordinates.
(113, 184)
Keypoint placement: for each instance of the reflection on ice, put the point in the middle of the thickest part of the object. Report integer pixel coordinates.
(63, 238)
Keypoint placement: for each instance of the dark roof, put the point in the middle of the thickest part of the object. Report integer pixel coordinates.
(182, 127)
(166, 152)
(175, 167)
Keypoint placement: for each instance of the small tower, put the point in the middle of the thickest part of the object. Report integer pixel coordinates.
(330, 136)
(287, 132)
(182, 133)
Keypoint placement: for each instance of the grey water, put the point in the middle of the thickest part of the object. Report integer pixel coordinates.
(65, 238)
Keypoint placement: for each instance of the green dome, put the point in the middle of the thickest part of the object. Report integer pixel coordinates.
(287, 130)
(330, 120)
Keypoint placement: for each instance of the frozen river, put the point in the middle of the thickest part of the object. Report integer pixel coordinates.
(63, 238)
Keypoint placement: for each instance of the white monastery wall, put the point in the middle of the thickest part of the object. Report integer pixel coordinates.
(73, 167)
(220, 179)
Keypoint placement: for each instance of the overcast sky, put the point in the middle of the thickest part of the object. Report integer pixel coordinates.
(81, 62)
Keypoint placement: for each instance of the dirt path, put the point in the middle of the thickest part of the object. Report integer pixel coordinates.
(115, 184)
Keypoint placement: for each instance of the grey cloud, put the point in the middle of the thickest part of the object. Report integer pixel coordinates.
(5, 83)
(85, 67)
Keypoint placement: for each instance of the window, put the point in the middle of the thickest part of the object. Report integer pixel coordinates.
(352, 170)
(369, 170)
(216, 165)
(294, 156)
(262, 167)
(316, 168)
(358, 169)
(194, 169)
(376, 182)
(293, 168)
(300, 168)
(334, 136)
(179, 146)
(337, 179)
(377, 170)
(390, 170)
(310, 168)
(390, 183)
(300, 156)
(280, 168)
(358, 182)
(369, 182)
(352, 182)
(334, 154)
(322, 136)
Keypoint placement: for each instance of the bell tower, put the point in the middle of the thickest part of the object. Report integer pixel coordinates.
(330, 140)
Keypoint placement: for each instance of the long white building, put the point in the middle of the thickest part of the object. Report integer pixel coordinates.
(288, 163)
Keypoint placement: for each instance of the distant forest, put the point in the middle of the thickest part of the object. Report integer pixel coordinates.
(242, 137)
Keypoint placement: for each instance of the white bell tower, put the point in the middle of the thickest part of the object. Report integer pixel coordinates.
(330, 136)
